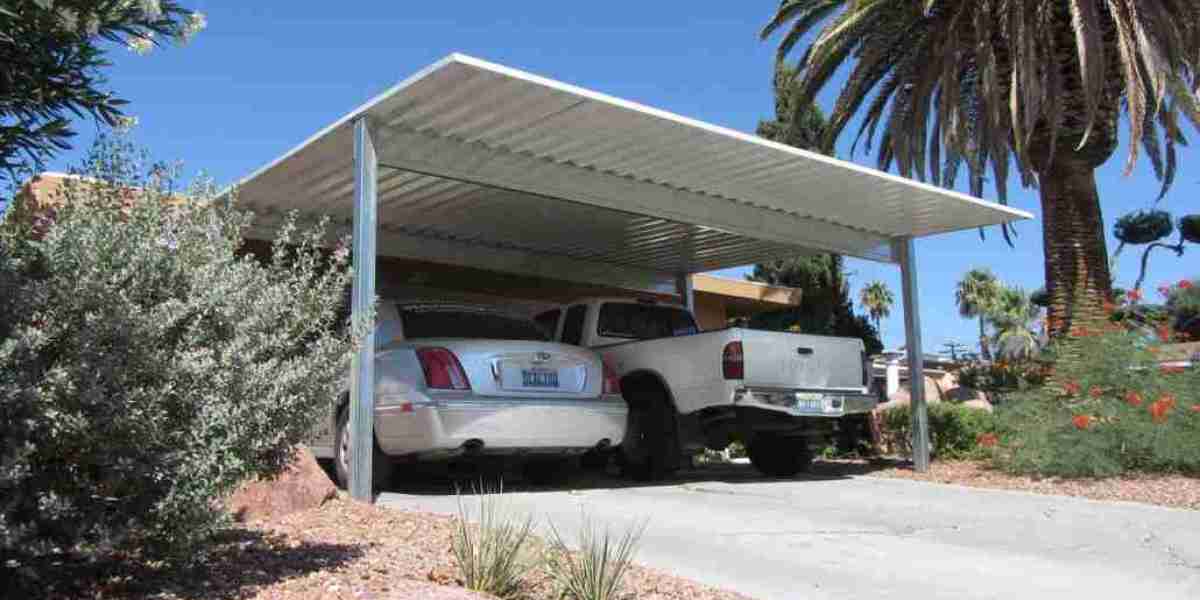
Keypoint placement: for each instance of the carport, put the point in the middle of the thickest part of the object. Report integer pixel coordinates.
(475, 164)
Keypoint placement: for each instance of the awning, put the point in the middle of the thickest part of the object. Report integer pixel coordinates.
(488, 166)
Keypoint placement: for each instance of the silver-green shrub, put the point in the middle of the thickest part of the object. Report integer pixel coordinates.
(148, 364)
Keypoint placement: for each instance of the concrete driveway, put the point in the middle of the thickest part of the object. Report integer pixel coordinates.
(864, 537)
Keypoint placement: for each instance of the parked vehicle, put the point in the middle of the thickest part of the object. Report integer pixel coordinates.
(455, 380)
(779, 393)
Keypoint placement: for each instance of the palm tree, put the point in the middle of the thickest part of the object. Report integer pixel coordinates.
(976, 294)
(878, 300)
(951, 84)
(1011, 316)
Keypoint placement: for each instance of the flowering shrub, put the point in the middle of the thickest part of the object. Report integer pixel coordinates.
(1001, 377)
(1116, 411)
(147, 367)
(1183, 306)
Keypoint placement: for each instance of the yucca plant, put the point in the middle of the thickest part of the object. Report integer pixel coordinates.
(597, 570)
(491, 546)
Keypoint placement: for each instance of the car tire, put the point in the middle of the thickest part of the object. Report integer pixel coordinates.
(779, 456)
(654, 452)
(381, 465)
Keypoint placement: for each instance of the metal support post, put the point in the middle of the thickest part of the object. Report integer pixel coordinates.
(362, 370)
(687, 295)
(904, 251)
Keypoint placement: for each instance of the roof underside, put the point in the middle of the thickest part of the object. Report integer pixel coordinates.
(479, 158)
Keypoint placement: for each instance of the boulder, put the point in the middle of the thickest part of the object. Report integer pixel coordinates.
(301, 486)
(903, 396)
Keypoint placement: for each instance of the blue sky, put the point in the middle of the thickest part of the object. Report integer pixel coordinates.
(265, 75)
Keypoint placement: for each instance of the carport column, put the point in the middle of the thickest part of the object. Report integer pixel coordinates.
(902, 248)
(362, 369)
(687, 294)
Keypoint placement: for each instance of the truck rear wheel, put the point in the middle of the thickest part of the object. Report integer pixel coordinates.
(651, 448)
(780, 456)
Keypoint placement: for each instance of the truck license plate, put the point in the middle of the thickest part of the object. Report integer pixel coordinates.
(539, 378)
(809, 402)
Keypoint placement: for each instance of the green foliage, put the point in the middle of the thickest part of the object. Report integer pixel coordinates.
(954, 430)
(1002, 377)
(1143, 227)
(597, 570)
(492, 554)
(878, 300)
(146, 367)
(54, 56)
(793, 125)
(1012, 314)
(825, 306)
(1183, 307)
(1189, 228)
(1115, 412)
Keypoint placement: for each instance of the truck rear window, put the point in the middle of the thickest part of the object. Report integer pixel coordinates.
(426, 322)
(644, 321)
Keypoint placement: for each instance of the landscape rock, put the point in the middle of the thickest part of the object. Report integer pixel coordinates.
(303, 485)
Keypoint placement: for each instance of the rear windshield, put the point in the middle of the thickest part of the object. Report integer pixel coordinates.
(644, 321)
(425, 322)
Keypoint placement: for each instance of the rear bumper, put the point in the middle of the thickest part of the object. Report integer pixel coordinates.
(440, 428)
(805, 403)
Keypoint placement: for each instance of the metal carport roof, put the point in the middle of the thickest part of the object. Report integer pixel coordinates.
(473, 163)
(484, 156)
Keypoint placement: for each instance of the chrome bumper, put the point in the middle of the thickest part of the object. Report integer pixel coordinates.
(449, 426)
(805, 403)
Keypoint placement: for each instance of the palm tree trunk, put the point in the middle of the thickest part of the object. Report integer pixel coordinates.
(1078, 280)
(984, 351)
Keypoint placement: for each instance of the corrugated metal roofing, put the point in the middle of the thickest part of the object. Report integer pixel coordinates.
(486, 156)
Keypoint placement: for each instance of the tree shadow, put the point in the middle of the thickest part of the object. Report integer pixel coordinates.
(233, 565)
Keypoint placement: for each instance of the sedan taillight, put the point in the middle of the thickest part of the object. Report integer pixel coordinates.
(612, 383)
(732, 361)
(442, 369)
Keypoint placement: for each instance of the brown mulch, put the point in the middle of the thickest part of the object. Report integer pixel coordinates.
(1174, 491)
(344, 550)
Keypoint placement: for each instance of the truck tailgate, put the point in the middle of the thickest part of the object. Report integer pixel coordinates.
(793, 360)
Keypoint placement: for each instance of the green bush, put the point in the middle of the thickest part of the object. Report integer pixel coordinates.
(147, 367)
(1116, 411)
(955, 430)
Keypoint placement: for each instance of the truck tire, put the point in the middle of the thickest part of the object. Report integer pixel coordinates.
(780, 456)
(381, 465)
(654, 454)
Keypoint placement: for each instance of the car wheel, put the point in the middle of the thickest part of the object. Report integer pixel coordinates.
(779, 457)
(381, 465)
(651, 452)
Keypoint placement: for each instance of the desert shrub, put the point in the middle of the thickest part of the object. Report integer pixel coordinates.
(490, 546)
(146, 366)
(1002, 377)
(954, 430)
(597, 570)
(1115, 411)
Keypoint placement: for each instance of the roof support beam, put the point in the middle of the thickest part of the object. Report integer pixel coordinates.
(429, 154)
(903, 250)
(361, 422)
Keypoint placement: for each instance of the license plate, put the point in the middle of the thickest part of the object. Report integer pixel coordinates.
(539, 378)
(810, 402)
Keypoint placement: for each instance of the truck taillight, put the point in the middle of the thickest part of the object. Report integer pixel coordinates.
(732, 361)
(442, 369)
(612, 383)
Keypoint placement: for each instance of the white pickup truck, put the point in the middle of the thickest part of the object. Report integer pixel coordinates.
(779, 393)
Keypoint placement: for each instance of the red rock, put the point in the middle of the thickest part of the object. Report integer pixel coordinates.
(302, 486)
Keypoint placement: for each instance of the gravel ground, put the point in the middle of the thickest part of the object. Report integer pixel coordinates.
(1176, 491)
(344, 550)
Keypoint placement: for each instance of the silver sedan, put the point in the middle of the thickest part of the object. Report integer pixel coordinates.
(456, 380)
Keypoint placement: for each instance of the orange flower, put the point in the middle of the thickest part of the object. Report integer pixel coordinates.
(1096, 391)
(1133, 398)
(1164, 333)
(1159, 408)
(1170, 370)
(1153, 349)
(1082, 422)
(1185, 284)
(1109, 307)
(1196, 408)
(989, 440)
(1134, 295)
(1071, 388)
(1168, 399)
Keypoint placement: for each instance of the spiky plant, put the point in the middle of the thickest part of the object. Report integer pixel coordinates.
(490, 546)
(1039, 84)
(597, 570)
